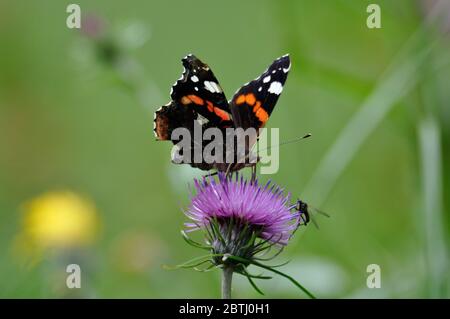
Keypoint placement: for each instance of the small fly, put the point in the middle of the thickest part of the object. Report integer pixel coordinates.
(305, 213)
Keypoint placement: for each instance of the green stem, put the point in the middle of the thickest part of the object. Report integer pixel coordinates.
(227, 276)
(435, 247)
(243, 260)
(306, 291)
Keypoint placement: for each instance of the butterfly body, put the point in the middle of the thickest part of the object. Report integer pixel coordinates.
(199, 103)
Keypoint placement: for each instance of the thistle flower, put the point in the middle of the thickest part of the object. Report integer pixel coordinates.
(240, 204)
(242, 220)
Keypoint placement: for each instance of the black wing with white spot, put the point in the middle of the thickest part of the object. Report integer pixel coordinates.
(198, 88)
(253, 103)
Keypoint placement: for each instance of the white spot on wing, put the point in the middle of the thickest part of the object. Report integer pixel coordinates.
(274, 71)
(209, 87)
(196, 88)
(286, 70)
(217, 87)
(212, 87)
(202, 120)
(260, 89)
(194, 78)
(275, 88)
(266, 79)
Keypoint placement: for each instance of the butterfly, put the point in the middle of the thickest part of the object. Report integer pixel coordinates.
(197, 100)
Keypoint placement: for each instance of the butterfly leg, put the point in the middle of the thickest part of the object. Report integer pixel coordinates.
(210, 174)
(228, 171)
(253, 172)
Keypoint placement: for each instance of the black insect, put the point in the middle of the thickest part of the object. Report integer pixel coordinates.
(305, 213)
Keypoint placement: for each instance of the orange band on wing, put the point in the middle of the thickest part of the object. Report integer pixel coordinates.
(185, 100)
(224, 116)
(250, 99)
(260, 113)
(240, 99)
(210, 106)
(197, 100)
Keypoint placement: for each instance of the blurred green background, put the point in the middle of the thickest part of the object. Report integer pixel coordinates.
(76, 112)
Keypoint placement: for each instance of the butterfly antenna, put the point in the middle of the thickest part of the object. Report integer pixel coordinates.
(267, 148)
(210, 174)
(295, 140)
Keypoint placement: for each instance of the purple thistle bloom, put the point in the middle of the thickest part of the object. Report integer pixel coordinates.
(260, 209)
(242, 221)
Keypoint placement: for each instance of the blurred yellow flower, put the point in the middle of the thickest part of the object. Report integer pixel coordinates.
(59, 220)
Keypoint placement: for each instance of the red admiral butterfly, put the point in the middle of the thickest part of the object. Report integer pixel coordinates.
(198, 99)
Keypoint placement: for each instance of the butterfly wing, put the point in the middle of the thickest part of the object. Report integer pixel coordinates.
(198, 88)
(197, 100)
(170, 117)
(253, 103)
(196, 95)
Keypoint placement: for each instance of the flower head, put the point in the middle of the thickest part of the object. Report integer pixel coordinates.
(262, 207)
(237, 213)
